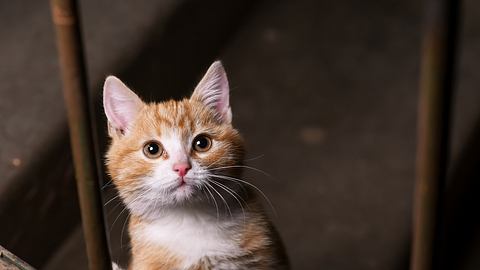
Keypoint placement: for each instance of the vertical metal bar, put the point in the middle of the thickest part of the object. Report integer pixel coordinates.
(69, 43)
(436, 83)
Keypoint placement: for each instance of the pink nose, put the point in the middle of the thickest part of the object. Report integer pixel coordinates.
(182, 168)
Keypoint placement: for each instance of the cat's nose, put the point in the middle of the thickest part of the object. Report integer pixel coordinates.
(182, 168)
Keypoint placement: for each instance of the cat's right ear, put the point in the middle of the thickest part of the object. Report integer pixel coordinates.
(121, 105)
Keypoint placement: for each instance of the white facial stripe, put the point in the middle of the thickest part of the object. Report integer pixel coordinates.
(175, 147)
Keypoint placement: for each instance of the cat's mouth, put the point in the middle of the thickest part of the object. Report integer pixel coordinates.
(183, 189)
(182, 184)
(182, 181)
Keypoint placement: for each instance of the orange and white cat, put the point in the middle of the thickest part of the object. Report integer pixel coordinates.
(177, 166)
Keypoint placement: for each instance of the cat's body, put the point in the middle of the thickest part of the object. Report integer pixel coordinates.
(190, 239)
(177, 166)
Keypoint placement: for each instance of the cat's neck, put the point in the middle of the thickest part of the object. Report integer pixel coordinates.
(187, 235)
(219, 213)
(192, 233)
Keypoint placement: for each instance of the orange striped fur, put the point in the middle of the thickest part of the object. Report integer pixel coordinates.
(200, 218)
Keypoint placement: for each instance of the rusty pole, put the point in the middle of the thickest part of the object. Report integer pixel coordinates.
(436, 83)
(75, 91)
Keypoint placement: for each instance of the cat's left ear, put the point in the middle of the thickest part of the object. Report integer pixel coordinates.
(213, 92)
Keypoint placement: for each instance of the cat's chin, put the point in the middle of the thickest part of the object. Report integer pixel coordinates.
(183, 193)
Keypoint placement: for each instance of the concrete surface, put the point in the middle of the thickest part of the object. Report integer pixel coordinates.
(325, 94)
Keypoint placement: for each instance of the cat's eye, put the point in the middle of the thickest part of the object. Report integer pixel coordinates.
(202, 143)
(153, 149)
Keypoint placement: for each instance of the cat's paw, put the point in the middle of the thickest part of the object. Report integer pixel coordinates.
(115, 266)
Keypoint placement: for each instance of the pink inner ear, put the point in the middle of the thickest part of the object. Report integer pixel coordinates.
(223, 101)
(124, 112)
(120, 103)
(213, 90)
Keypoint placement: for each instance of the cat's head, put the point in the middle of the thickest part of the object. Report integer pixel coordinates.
(164, 154)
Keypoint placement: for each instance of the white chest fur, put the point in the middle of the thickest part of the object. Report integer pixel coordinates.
(192, 235)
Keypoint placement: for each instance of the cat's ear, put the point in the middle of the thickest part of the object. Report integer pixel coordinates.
(213, 92)
(121, 105)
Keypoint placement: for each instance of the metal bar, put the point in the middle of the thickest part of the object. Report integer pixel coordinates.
(436, 83)
(69, 43)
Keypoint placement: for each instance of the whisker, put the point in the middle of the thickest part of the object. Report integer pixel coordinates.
(230, 190)
(242, 166)
(249, 184)
(214, 201)
(121, 212)
(115, 207)
(255, 158)
(223, 199)
(206, 195)
(214, 163)
(109, 183)
(227, 189)
(125, 208)
(109, 201)
(123, 228)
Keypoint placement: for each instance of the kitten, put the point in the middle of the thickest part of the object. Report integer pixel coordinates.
(177, 167)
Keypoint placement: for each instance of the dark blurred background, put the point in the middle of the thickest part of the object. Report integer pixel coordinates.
(325, 93)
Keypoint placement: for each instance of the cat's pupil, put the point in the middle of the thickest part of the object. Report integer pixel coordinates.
(153, 148)
(201, 143)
